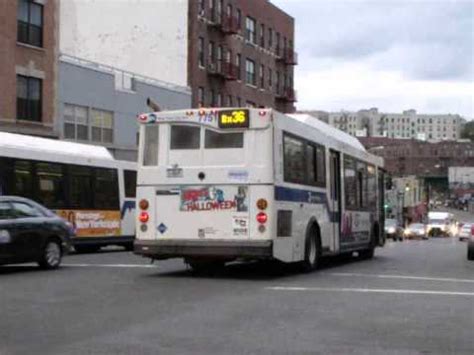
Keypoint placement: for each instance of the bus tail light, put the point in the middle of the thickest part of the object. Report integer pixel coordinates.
(144, 204)
(262, 217)
(144, 217)
(262, 204)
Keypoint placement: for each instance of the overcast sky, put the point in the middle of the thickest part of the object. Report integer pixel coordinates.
(390, 54)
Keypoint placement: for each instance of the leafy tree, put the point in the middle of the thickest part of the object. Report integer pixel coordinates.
(468, 131)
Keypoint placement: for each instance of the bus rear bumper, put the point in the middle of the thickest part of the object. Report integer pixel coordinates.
(166, 249)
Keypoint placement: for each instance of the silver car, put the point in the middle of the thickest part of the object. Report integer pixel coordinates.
(465, 232)
(416, 231)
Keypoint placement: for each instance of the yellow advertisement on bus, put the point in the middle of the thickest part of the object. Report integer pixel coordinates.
(93, 223)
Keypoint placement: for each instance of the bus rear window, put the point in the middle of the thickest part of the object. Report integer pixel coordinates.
(185, 137)
(216, 140)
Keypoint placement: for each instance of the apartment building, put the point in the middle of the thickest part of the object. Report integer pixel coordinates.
(406, 125)
(230, 52)
(28, 66)
(241, 53)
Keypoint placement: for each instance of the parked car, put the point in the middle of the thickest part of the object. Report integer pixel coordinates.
(465, 232)
(30, 232)
(393, 230)
(416, 231)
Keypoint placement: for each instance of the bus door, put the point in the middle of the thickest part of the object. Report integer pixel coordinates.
(335, 198)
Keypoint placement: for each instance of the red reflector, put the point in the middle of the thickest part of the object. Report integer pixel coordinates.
(262, 217)
(144, 204)
(262, 113)
(144, 217)
(143, 117)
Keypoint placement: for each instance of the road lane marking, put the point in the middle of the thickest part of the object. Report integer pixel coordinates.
(144, 266)
(402, 277)
(370, 290)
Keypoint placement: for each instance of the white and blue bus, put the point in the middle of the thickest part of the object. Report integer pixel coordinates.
(216, 185)
(82, 183)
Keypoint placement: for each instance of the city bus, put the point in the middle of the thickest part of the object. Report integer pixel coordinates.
(82, 183)
(218, 185)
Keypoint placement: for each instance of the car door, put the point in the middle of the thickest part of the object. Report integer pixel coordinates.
(7, 232)
(29, 225)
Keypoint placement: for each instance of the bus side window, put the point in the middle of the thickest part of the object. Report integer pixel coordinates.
(130, 178)
(51, 192)
(80, 187)
(106, 190)
(23, 178)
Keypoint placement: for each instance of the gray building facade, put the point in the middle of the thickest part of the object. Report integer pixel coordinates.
(98, 104)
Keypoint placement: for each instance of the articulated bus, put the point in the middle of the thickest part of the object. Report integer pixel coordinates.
(82, 183)
(217, 185)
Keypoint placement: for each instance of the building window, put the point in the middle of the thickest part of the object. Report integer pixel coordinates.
(212, 98)
(229, 101)
(76, 122)
(270, 38)
(102, 126)
(239, 102)
(201, 97)
(270, 78)
(229, 11)
(238, 63)
(28, 98)
(262, 35)
(30, 23)
(277, 47)
(239, 19)
(250, 34)
(201, 8)
(201, 52)
(250, 72)
(219, 100)
(211, 52)
(262, 76)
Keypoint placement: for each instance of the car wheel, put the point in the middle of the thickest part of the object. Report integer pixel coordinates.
(312, 253)
(51, 256)
(470, 251)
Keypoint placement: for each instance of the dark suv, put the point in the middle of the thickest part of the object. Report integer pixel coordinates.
(30, 232)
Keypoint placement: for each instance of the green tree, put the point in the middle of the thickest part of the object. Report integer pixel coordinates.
(468, 131)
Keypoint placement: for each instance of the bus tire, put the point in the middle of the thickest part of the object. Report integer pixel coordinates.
(369, 252)
(312, 253)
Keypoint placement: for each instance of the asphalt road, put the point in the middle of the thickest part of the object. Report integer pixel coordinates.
(415, 297)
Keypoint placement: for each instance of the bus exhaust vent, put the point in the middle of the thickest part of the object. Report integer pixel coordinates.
(284, 223)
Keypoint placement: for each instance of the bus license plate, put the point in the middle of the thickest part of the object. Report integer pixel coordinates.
(174, 173)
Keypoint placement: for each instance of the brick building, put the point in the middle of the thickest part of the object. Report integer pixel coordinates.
(28, 66)
(241, 53)
(423, 159)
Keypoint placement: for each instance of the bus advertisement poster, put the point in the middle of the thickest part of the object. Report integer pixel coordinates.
(214, 198)
(93, 223)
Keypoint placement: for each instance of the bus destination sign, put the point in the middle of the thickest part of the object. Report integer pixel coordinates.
(234, 119)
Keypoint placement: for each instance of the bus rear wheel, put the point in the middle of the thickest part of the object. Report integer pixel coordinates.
(312, 253)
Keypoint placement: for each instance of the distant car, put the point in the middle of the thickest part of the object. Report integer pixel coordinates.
(393, 230)
(465, 232)
(30, 232)
(416, 231)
